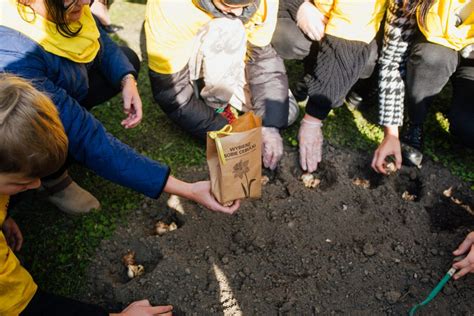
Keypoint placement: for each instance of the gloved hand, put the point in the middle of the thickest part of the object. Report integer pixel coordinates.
(272, 147)
(311, 21)
(310, 138)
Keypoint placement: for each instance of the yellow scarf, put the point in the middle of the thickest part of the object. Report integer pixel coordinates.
(82, 48)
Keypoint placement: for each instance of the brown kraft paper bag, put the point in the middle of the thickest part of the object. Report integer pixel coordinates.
(234, 157)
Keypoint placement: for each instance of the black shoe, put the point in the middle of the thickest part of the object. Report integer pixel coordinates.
(353, 100)
(412, 144)
(300, 92)
(112, 28)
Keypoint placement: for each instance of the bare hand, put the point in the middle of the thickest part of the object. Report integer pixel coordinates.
(390, 146)
(466, 265)
(132, 104)
(310, 138)
(311, 21)
(12, 234)
(201, 193)
(144, 308)
(272, 150)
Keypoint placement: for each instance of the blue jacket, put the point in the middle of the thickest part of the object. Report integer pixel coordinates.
(66, 83)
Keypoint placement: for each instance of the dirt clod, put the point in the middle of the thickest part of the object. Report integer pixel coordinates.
(368, 250)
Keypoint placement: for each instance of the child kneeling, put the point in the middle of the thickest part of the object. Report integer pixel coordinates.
(33, 144)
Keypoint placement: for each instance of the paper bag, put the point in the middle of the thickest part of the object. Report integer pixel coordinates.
(234, 157)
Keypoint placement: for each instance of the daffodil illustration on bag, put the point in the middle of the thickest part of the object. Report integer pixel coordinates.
(240, 170)
(234, 159)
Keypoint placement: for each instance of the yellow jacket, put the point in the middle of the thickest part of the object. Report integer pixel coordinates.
(171, 25)
(17, 287)
(441, 25)
(355, 20)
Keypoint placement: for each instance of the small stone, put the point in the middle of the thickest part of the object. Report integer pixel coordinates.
(286, 307)
(368, 249)
(344, 207)
(392, 296)
(187, 271)
(434, 252)
(225, 260)
(379, 296)
(400, 249)
(424, 280)
(291, 224)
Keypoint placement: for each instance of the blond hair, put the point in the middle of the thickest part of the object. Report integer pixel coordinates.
(32, 138)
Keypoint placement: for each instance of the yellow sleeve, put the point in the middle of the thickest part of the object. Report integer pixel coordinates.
(17, 287)
(261, 26)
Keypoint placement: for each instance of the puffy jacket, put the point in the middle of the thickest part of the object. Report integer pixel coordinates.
(354, 20)
(171, 26)
(66, 83)
(443, 27)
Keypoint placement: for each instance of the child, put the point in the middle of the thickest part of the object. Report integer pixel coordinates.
(33, 144)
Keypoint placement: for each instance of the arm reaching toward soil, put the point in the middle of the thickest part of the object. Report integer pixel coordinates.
(199, 192)
(466, 265)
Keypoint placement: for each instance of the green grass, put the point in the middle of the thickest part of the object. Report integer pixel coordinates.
(58, 247)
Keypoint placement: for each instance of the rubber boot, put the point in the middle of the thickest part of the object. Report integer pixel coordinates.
(69, 197)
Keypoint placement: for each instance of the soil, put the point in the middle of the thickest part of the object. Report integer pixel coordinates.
(340, 248)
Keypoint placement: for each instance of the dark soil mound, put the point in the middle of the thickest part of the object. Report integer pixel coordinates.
(339, 248)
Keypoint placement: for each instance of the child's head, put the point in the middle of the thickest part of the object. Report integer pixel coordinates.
(33, 143)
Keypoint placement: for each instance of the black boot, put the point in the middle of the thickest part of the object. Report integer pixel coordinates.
(412, 144)
(353, 100)
(300, 92)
